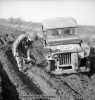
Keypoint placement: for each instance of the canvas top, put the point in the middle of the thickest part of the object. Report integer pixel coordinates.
(60, 22)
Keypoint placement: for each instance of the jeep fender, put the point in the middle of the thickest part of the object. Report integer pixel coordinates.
(86, 49)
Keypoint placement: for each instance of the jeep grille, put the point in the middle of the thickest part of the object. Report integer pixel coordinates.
(64, 58)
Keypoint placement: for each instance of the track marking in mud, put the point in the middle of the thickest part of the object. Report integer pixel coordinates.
(20, 87)
(64, 87)
(61, 88)
(25, 80)
(76, 88)
(42, 84)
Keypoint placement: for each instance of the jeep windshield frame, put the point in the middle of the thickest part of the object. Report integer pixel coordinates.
(60, 32)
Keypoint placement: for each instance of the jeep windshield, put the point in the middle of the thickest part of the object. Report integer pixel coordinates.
(59, 33)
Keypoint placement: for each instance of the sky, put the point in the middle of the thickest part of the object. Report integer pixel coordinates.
(37, 10)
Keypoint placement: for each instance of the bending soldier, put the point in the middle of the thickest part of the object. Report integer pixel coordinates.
(21, 49)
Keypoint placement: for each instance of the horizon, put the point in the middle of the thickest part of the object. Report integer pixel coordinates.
(36, 11)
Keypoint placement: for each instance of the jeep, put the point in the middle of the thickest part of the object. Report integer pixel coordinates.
(67, 52)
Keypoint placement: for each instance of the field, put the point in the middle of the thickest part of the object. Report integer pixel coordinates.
(35, 83)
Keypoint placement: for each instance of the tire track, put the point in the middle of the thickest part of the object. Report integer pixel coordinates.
(21, 88)
(61, 87)
(53, 87)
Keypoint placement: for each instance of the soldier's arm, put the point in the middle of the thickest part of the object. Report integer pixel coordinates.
(15, 47)
(16, 44)
(28, 54)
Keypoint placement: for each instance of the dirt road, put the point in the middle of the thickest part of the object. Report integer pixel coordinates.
(36, 84)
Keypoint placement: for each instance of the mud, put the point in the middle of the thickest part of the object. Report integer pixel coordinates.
(78, 85)
(15, 77)
(35, 83)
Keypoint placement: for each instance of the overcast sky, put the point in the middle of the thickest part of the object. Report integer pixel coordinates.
(37, 10)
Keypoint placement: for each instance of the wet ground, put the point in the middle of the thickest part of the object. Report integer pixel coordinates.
(36, 81)
(37, 84)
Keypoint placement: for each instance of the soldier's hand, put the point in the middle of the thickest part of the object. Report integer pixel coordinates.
(28, 59)
(31, 61)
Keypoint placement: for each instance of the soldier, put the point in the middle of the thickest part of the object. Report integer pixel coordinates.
(21, 48)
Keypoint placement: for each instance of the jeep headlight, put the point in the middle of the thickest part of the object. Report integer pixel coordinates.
(55, 56)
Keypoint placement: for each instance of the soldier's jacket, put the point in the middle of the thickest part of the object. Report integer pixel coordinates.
(21, 45)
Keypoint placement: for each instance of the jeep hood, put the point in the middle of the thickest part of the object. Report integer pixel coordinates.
(66, 48)
(63, 41)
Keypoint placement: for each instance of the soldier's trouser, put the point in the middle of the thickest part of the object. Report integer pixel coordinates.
(19, 62)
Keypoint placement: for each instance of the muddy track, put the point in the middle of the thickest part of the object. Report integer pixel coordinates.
(35, 82)
(25, 87)
(33, 85)
(43, 82)
(75, 86)
(56, 85)
(15, 77)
